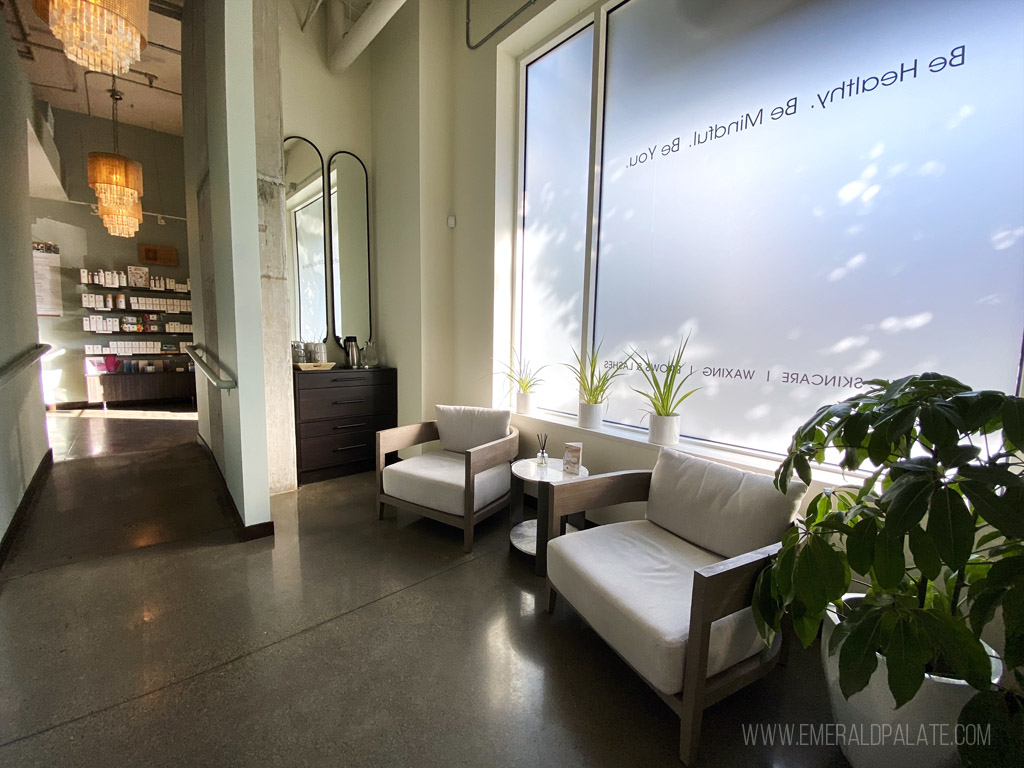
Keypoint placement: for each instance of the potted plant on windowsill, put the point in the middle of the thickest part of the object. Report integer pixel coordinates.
(594, 385)
(945, 487)
(523, 380)
(665, 395)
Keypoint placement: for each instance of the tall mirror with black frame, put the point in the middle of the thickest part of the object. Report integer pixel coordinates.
(350, 244)
(305, 236)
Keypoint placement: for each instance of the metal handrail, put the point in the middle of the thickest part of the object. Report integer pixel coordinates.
(196, 353)
(23, 361)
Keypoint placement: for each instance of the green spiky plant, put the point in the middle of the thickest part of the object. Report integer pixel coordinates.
(521, 376)
(594, 383)
(945, 480)
(665, 395)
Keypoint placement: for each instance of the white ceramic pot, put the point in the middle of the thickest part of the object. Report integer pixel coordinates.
(591, 415)
(920, 734)
(524, 402)
(664, 430)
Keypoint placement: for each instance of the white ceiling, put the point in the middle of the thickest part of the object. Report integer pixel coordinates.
(152, 89)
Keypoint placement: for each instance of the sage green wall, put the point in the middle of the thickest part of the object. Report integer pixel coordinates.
(85, 242)
(22, 416)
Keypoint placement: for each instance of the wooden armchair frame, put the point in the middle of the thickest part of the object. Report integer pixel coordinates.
(478, 459)
(718, 591)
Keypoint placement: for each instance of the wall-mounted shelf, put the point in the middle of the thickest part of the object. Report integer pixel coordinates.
(138, 333)
(95, 288)
(116, 311)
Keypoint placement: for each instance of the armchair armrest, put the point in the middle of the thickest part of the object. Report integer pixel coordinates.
(390, 440)
(727, 586)
(492, 454)
(570, 497)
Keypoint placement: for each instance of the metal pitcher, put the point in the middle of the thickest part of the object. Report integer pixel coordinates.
(352, 350)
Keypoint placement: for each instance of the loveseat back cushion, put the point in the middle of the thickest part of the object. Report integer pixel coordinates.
(719, 508)
(462, 427)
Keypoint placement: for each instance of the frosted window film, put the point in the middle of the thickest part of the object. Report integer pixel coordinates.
(823, 192)
(558, 87)
(309, 249)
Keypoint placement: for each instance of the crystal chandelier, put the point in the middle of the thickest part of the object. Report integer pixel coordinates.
(117, 181)
(104, 35)
(122, 222)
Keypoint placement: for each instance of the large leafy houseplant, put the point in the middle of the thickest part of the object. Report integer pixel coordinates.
(943, 467)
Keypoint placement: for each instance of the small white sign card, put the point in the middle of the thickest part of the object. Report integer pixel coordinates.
(573, 459)
(138, 277)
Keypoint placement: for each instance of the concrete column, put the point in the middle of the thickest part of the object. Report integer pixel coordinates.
(274, 284)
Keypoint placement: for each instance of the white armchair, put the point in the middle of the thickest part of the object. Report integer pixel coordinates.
(465, 482)
(671, 593)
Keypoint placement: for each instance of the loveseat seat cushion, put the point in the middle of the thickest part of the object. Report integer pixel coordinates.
(719, 508)
(437, 479)
(633, 582)
(462, 427)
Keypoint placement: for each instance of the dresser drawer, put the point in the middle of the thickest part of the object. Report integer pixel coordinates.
(372, 422)
(335, 402)
(345, 378)
(329, 450)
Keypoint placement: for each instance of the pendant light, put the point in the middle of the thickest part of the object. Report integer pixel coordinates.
(122, 222)
(117, 181)
(103, 35)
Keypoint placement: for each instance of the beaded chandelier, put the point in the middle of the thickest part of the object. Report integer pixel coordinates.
(117, 181)
(122, 222)
(103, 35)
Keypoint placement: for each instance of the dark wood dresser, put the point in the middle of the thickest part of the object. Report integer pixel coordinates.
(337, 416)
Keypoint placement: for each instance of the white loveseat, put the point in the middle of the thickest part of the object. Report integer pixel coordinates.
(671, 593)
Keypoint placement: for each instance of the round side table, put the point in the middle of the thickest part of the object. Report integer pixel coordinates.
(529, 536)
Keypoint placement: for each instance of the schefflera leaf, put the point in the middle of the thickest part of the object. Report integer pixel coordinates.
(906, 653)
(821, 575)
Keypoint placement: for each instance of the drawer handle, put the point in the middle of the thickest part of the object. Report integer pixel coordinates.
(346, 402)
(351, 378)
(351, 447)
(351, 426)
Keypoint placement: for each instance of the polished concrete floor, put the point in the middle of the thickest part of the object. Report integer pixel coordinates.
(341, 641)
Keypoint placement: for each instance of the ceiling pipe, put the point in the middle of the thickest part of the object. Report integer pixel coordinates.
(368, 26)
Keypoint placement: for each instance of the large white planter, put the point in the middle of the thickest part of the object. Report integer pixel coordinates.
(524, 402)
(664, 430)
(590, 415)
(921, 734)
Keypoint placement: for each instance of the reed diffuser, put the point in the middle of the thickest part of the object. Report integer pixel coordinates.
(542, 456)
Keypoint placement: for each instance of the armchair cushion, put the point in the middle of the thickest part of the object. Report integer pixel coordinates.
(463, 427)
(437, 480)
(632, 582)
(717, 507)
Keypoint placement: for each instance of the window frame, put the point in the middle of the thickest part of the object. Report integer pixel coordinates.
(595, 16)
(302, 198)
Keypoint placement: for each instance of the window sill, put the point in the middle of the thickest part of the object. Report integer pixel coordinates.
(635, 440)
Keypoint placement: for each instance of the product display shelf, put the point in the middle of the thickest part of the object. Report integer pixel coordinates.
(133, 334)
(115, 311)
(96, 288)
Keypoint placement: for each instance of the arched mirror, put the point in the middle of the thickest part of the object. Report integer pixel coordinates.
(350, 247)
(306, 235)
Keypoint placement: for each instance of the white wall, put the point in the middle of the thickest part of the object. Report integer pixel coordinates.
(395, 202)
(331, 109)
(22, 416)
(220, 151)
